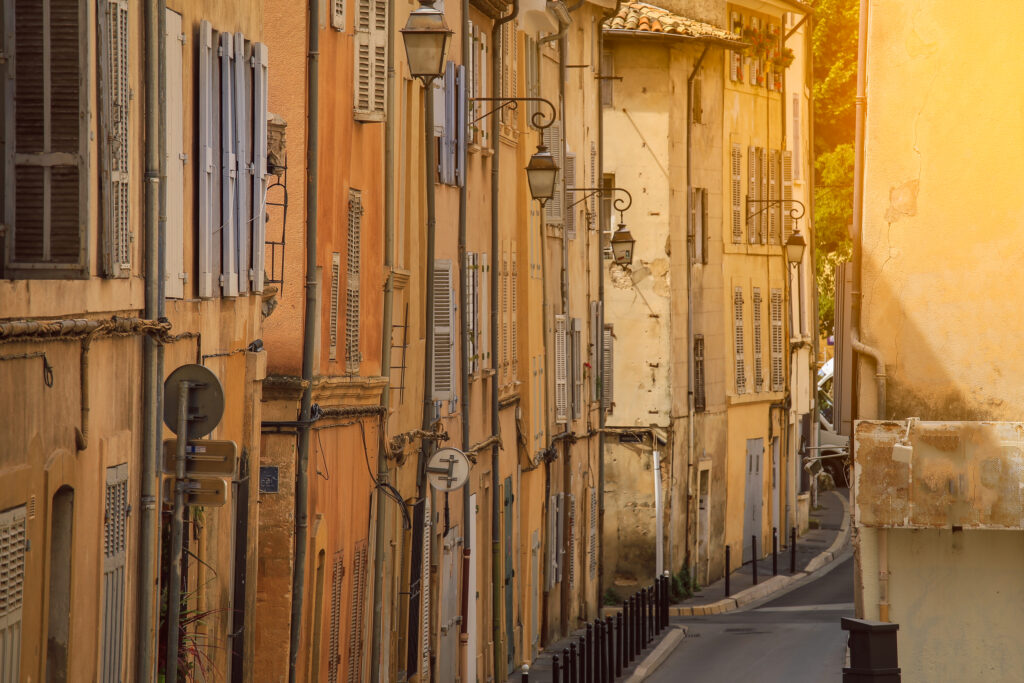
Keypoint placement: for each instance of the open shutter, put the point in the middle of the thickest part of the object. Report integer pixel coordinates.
(756, 337)
(778, 381)
(553, 209)
(229, 168)
(752, 193)
(577, 368)
(482, 128)
(332, 332)
(352, 287)
(513, 322)
(773, 194)
(209, 215)
(736, 194)
(243, 156)
(503, 277)
(570, 181)
(448, 140)
(595, 348)
(593, 534)
(763, 189)
(338, 15)
(608, 369)
(115, 552)
(115, 153)
(370, 63)
(174, 143)
(13, 546)
(334, 625)
(471, 304)
(459, 130)
(552, 559)
(561, 371)
(560, 537)
(570, 545)
(740, 367)
(592, 207)
(356, 615)
(694, 226)
(787, 195)
(705, 242)
(699, 394)
(485, 312)
(260, 61)
(443, 332)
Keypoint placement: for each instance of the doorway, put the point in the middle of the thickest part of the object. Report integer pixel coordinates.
(754, 497)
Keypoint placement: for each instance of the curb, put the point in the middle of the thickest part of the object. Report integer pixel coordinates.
(652, 661)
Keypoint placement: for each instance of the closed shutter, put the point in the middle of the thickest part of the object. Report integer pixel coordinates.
(787, 195)
(334, 642)
(608, 369)
(332, 333)
(699, 393)
(705, 240)
(13, 546)
(484, 289)
(778, 381)
(554, 208)
(443, 331)
(532, 76)
(774, 211)
(446, 159)
(471, 306)
(260, 61)
(338, 15)
(607, 70)
(592, 205)
(796, 135)
(571, 540)
(561, 371)
(352, 288)
(459, 130)
(46, 180)
(425, 631)
(593, 534)
(595, 348)
(514, 313)
(229, 168)
(115, 551)
(570, 181)
(243, 154)
(753, 171)
(756, 337)
(370, 78)
(483, 131)
(115, 155)
(577, 368)
(736, 192)
(358, 608)
(209, 142)
(174, 144)
(503, 277)
(697, 224)
(740, 368)
(697, 112)
(763, 188)
(560, 537)
(552, 559)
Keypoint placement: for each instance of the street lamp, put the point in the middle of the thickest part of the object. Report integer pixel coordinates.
(541, 173)
(622, 246)
(795, 246)
(426, 36)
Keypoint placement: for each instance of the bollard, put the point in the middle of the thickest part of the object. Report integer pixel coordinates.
(588, 658)
(619, 645)
(643, 618)
(753, 556)
(634, 627)
(658, 599)
(595, 659)
(668, 601)
(526, 671)
(652, 627)
(775, 551)
(565, 666)
(573, 677)
(792, 551)
(727, 568)
(609, 628)
(555, 668)
(624, 636)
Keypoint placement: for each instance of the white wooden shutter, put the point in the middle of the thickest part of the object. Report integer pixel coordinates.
(260, 61)
(352, 286)
(608, 369)
(570, 181)
(459, 129)
(778, 381)
(229, 168)
(577, 368)
(444, 375)
(763, 188)
(425, 631)
(209, 215)
(554, 209)
(592, 207)
(332, 333)
(773, 194)
(115, 153)
(486, 352)
(243, 157)
(503, 277)
(174, 144)
(13, 547)
(755, 335)
(561, 372)
(115, 552)
(787, 195)
(370, 78)
(753, 169)
(513, 322)
(740, 367)
(736, 193)
(338, 15)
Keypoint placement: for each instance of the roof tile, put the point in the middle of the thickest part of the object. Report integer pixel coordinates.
(641, 16)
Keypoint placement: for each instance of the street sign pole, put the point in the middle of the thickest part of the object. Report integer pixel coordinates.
(177, 531)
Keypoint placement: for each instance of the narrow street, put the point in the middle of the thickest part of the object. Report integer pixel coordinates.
(794, 638)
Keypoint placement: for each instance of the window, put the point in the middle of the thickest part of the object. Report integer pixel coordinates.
(607, 79)
(796, 135)
(45, 197)
(595, 347)
(756, 336)
(608, 369)
(787, 195)
(471, 304)
(775, 211)
(699, 399)
(443, 347)
(370, 79)
(509, 69)
(334, 641)
(554, 209)
(352, 289)
(13, 547)
(449, 120)
(355, 630)
(736, 58)
(778, 380)
(699, 224)
(736, 191)
(514, 312)
(561, 372)
(175, 274)
(570, 209)
(697, 110)
(577, 368)
(115, 545)
(476, 80)
(332, 334)
(740, 366)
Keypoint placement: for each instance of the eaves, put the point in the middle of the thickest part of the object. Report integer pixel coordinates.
(706, 40)
(492, 8)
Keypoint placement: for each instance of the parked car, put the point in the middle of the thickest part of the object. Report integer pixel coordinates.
(829, 441)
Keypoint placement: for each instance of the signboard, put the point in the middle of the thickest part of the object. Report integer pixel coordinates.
(208, 492)
(205, 400)
(203, 458)
(448, 469)
(268, 480)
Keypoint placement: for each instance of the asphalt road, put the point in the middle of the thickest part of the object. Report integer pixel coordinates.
(792, 638)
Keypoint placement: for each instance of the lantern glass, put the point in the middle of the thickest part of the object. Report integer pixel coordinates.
(622, 246)
(541, 173)
(795, 246)
(426, 36)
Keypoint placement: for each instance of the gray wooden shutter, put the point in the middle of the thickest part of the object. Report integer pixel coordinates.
(352, 286)
(736, 194)
(778, 381)
(229, 168)
(115, 154)
(608, 369)
(338, 15)
(756, 337)
(753, 193)
(115, 552)
(209, 215)
(449, 145)
(46, 180)
(332, 333)
(243, 161)
(740, 367)
(577, 368)
(174, 259)
(358, 609)
(370, 78)
(334, 642)
(561, 368)
(459, 130)
(699, 393)
(13, 546)
(554, 209)
(443, 332)
(570, 181)
(787, 195)
(260, 61)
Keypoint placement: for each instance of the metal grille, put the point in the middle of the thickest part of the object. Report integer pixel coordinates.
(334, 643)
(332, 333)
(355, 632)
(756, 336)
(741, 369)
(352, 289)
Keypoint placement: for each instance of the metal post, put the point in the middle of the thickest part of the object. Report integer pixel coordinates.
(572, 664)
(620, 645)
(599, 651)
(644, 599)
(565, 667)
(668, 599)
(775, 551)
(554, 667)
(728, 564)
(792, 550)
(636, 626)
(177, 534)
(753, 556)
(588, 655)
(609, 628)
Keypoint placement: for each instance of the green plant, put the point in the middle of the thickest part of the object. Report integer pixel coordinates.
(683, 585)
(610, 598)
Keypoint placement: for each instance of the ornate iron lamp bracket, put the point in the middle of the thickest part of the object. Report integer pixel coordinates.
(620, 204)
(795, 212)
(539, 120)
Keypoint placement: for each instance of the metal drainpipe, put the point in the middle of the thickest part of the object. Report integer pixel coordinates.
(385, 354)
(308, 337)
(495, 411)
(811, 181)
(599, 351)
(152, 353)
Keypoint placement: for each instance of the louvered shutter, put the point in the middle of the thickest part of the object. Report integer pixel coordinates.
(571, 539)
(470, 306)
(778, 381)
(740, 367)
(260, 61)
(577, 368)
(13, 547)
(358, 608)
(753, 171)
(706, 225)
(593, 534)
(561, 370)
(592, 206)
(560, 537)
(332, 333)
(787, 195)
(370, 78)
(46, 193)
(763, 187)
(756, 337)
(532, 76)
(570, 181)
(595, 348)
(736, 192)
(174, 144)
(486, 350)
(115, 552)
(229, 168)
(482, 128)
(699, 394)
(694, 228)
(608, 369)
(553, 209)
(514, 312)
(209, 214)
(552, 560)
(338, 15)
(448, 145)
(773, 194)
(796, 135)
(352, 287)
(503, 277)
(443, 330)
(115, 155)
(425, 631)
(243, 156)
(607, 70)
(459, 130)
(334, 642)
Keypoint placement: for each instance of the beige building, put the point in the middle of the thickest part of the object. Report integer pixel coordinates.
(936, 216)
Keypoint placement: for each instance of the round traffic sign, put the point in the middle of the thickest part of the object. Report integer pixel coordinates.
(448, 469)
(205, 397)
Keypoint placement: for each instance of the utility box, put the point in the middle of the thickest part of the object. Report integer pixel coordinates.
(873, 656)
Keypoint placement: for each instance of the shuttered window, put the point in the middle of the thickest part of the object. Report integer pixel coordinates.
(13, 546)
(115, 545)
(370, 78)
(471, 306)
(736, 58)
(577, 368)
(593, 534)
(787, 195)
(571, 539)
(778, 381)
(554, 209)
(775, 210)
(209, 162)
(352, 288)
(560, 537)
(740, 365)
(509, 69)
(174, 144)
(503, 277)
(561, 372)
(260, 62)
(444, 375)
(242, 114)
(115, 154)
(334, 642)
(753, 192)
(608, 369)
(552, 554)
(570, 181)
(358, 608)
(592, 201)
(228, 169)
(332, 325)
(607, 82)
(736, 192)
(513, 323)
(696, 95)
(699, 392)
(796, 135)
(532, 76)
(484, 294)
(45, 119)
(595, 348)
(763, 193)
(699, 223)
(756, 336)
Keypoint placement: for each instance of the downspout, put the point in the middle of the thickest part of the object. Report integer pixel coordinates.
(152, 353)
(599, 351)
(858, 263)
(385, 354)
(812, 181)
(308, 336)
(691, 250)
(496, 581)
